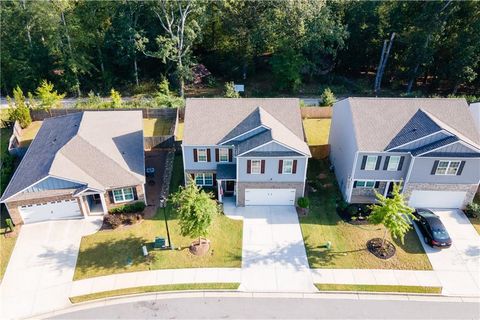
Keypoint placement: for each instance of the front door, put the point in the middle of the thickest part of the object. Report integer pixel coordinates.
(230, 187)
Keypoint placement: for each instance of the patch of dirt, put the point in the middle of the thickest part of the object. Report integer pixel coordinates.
(155, 158)
(322, 176)
(385, 252)
(302, 212)
(199, 248)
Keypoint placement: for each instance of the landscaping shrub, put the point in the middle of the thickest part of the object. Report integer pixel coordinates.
(328, 98)
(472, 210)
(303, 202)
(129, 208)
(230, 90)
(113, 220)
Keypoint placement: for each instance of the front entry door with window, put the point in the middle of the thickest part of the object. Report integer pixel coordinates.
(229, 188)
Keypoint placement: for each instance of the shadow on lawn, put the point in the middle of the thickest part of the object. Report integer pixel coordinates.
(411, 244)
(319, 255)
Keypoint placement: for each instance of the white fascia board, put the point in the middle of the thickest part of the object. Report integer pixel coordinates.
(13, 195)
(418, 139)
(272, 141)
(261, 126)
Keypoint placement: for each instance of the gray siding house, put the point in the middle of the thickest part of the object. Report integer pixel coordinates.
(431, 146)
(78, 165)
(252, 151)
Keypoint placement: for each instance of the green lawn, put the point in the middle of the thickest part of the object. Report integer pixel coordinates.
(6, 248)
(179, 135)
(377, 288)
(147, 289)
(317, 131)
(348, 241)
(29, 133)
(156, 127)
(107, 252)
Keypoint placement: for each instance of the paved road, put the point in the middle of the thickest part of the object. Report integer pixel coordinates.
(279, 308)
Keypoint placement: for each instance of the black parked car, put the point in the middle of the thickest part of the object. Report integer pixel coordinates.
(433, 230)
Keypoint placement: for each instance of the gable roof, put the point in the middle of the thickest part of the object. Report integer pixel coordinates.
(214, 121)
(379, 123)
(101, 149)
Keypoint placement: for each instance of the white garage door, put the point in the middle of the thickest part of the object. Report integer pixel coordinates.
(437, 199)
(269, 197)
(50, 210)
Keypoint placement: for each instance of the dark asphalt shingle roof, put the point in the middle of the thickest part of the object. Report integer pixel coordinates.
(226, 171)
(434, 145)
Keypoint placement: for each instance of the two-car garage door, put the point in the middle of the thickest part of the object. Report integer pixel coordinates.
(51, 210)
(437, 199)
(270, 197)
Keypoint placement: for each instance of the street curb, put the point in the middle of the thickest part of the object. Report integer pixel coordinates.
(165, 295)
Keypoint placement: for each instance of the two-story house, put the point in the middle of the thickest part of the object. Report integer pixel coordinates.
(432, 146)
(250, 149)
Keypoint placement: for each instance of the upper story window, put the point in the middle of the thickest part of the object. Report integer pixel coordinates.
(287, 166)
(256, 167)
(223, 155)
(202, 155)
(371, 162)
(123, 195)
(449, 168)
(393, 163)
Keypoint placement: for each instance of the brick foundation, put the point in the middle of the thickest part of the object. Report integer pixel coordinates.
(241, 186)
(471, 189)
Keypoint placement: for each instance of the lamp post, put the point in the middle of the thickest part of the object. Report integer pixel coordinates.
(163, 204)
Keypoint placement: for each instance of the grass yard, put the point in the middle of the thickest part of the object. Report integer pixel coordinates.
(156, 127)
(29, 133)
(349, 241)
(107, 252)
(147, 289)
(179, 135)
(476, 221)
(317, 131)
(6, 248)
(377, 288)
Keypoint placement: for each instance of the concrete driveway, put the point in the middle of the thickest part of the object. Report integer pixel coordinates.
(40, 272)
(273, 254)
(458, 267)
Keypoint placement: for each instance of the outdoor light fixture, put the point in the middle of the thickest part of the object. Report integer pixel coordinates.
(163, 204)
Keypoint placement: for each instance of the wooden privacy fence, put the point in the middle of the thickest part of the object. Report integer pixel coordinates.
(42, 114)
(320, 152)
(316, 112)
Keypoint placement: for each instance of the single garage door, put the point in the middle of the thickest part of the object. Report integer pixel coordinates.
(437, 199)
(269, 197)
(51, 210)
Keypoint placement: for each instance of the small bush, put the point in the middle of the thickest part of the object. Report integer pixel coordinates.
(230, 90)
(129, 208)
(472, 209)
(327, 97)
(303, 202)
(113, 220)
(116, 99)
(130, 219)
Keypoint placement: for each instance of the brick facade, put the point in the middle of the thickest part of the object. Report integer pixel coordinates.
(241, 186)
(471, 189)
(367, 195)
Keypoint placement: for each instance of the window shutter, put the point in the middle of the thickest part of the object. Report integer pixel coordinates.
(217, 156)
(214, 179)
(280, 166)
(385, 165)
(294, 169)
(110, 196)
(195, 155)
(434, 168)
(379, 160)
(377, 184)
(230, 155)
(249, 166)
(262, 169)
(208, 156)
(460, 169)
(354, 184)
(135, 195)
(400, 164)
(364, 162)
(193, 176)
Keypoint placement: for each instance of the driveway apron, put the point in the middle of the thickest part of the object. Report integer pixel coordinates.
(458, 267)
(273, 257)
(40, 271)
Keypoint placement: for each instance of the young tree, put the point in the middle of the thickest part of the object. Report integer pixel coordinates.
(328, 98)
(195, 208)
(392, 213)
(230, 90)
(19, 111)
(116, 98)
(48, 97)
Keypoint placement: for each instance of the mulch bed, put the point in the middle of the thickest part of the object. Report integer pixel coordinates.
(375, 247)
(302, 212)
(108, 227)
(199, 249)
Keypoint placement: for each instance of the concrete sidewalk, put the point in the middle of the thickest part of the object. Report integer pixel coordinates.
(376, 277)
(153, 278)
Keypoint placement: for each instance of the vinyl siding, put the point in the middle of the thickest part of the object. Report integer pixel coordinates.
(422, 142)
(190, 164)
(381, 174)
(455, 148)
(422, 167)
(53, 184)
(271, 171)
(273, 146)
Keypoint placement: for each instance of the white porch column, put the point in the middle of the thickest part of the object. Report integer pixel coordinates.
(104, 204)
(219, 187)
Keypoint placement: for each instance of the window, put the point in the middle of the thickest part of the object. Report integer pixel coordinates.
(256, 167)
(365, 184)
(448, 168)
(287, 166)
(371, 163)
(204, 179)
(202, 155)
(122, 195)
(223, 154)
(393, 163)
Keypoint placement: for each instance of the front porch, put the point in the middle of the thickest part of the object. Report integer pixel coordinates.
(367, 195)
(226, 182)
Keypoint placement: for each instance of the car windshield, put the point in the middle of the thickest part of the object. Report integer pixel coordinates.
(440, 234)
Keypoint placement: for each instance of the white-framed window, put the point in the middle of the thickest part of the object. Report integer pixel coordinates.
(371, 163)
(393, 163)
(223, 155)
(365, 184)
(204, 179)
(448, 168)
(122, 195)
(256, 167)
(287, 166)
(202, 155)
